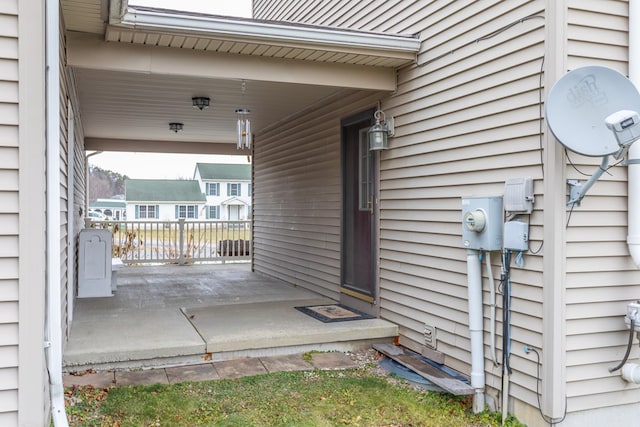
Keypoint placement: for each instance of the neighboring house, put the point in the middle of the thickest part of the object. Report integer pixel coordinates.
(228, 190)
(112, 208)
(467, 97)
(163, 199)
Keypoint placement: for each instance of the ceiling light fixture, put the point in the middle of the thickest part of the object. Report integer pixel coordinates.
(243, 124)
(176, 127)
(200, 102)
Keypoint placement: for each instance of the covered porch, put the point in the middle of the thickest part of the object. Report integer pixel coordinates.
(172, 315)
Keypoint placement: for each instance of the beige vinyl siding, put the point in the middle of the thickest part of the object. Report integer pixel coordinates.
(32, 394)
(297, 195)
(465, 120)
(9, 228)
(601, 278)
(64, 190)
(388, 16)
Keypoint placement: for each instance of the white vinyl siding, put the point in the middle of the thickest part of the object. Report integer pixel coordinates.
(9, 207)
(601, 278)
(297, 195)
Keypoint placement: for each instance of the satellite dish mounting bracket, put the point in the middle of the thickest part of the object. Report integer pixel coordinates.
(593, 111)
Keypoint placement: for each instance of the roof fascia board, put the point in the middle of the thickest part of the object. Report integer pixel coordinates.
(264, 32)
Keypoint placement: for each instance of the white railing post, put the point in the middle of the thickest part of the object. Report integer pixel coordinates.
(181, 242)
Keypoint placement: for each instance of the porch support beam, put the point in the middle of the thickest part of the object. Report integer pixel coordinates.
(149, 146)
(94, 53)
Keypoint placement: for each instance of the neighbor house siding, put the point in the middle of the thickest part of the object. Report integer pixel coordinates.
(466, 119)
(601, 278)
(297, 195)
(9, 208)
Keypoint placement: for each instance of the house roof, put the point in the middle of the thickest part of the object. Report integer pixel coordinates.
(224, 172)
(163, 190)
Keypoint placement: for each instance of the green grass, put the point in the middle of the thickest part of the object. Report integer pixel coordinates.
(313, 398)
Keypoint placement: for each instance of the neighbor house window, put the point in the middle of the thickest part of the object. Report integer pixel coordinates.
(213, 188)
(249, 186)
(234, 190)
(213, 212)
(186, 211)
(147, 212)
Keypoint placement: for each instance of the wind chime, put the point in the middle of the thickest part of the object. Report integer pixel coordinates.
(244, 124)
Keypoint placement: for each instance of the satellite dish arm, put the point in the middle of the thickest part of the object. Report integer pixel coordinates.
(578, 190)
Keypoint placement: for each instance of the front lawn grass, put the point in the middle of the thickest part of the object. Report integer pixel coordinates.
(356, 397)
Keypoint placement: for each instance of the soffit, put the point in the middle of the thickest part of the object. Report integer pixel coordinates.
(128, 109)
(188, 30)
(87, 16)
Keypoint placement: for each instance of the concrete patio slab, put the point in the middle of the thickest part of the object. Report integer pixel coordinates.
(238, 368)
(204, 372)
(144, 377)
(288, 363)
(277, 324)
(131, 335)
(235, 312)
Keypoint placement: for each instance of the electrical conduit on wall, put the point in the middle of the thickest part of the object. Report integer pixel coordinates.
(633, 230)
(476, 328)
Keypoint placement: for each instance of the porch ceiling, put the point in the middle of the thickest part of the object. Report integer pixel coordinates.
(137, 70)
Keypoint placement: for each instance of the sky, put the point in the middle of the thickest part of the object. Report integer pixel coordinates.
(172, 166)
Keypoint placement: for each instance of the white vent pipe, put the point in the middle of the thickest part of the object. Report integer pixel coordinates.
(633, 212)
(476, 328)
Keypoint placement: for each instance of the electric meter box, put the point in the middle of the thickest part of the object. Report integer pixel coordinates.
(482, 222)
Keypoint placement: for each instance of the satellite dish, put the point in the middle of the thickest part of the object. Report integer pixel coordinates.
(579, 103)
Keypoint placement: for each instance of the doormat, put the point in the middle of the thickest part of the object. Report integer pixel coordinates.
(333, 313)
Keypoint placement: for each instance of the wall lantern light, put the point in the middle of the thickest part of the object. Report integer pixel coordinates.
(176, 127)
(200, 102)
(379, 133)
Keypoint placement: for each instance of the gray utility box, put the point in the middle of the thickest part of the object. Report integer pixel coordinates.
(482, 221)
(94, 263)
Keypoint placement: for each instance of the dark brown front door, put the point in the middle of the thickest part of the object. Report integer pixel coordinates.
(358, 225)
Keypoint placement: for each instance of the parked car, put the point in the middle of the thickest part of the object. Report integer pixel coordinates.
(98, 216)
